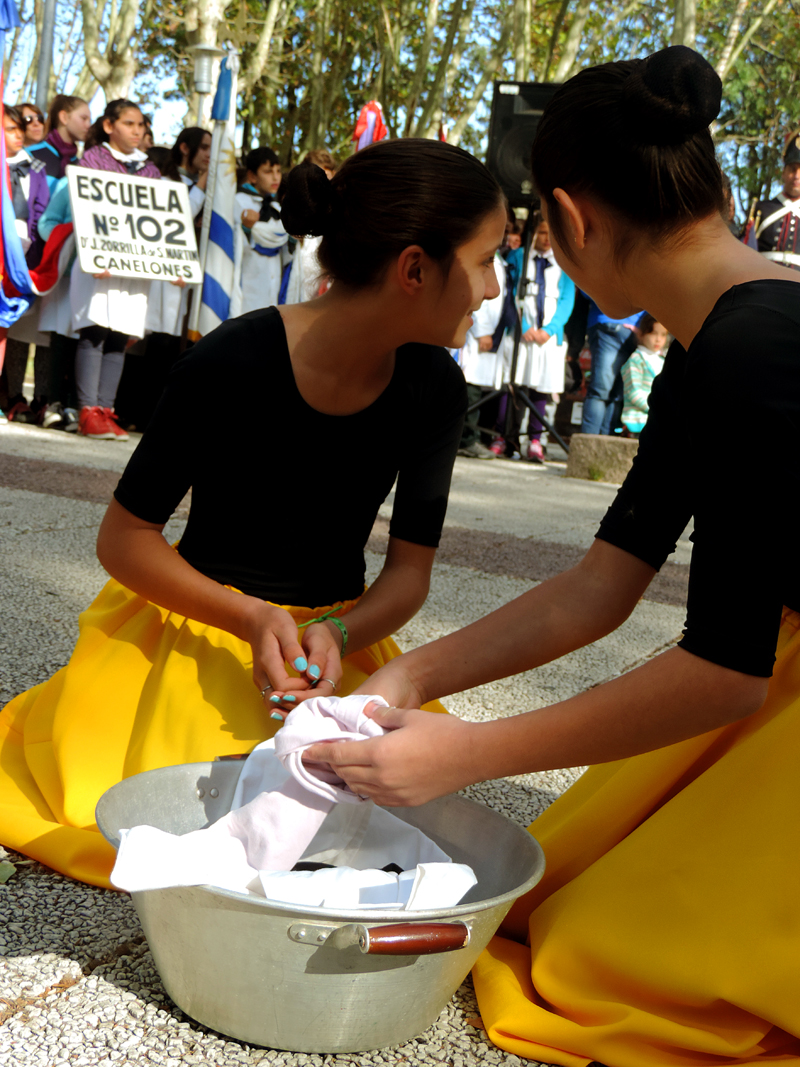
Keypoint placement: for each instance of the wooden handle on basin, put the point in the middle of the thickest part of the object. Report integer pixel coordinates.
(412, 939)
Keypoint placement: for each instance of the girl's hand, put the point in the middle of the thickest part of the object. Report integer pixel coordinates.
(180, 282)
(425, 755)
(530, 335)
(103, 274)
(272, 634)
(322, 644)
(394, 685)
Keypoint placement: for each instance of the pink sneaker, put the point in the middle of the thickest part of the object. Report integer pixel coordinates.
(535, 451)
(498, 446)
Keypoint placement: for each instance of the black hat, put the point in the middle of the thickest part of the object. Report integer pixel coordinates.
(792, 153)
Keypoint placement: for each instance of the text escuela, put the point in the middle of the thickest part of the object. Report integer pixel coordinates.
(135, 229)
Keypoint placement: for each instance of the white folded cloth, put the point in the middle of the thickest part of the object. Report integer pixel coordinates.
(284, 810)
(429, 886)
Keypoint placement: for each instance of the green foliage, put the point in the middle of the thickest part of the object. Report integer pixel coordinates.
(329, 57)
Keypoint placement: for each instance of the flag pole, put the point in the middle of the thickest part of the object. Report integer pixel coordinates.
(208, 207)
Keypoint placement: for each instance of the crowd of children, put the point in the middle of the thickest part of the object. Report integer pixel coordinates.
(546, 301)
(104, 345)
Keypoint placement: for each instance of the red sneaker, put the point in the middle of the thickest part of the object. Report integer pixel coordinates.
(535, 451)
(92, 422)
(113, 422)
(498, 446)
(20, 411)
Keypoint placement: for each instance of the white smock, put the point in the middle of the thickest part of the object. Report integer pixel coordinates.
(541, 367)
(166, 308)
(489, 369)
(306, 275)
(264, 256)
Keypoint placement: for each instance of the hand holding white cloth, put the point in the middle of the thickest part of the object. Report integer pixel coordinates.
(283, 810)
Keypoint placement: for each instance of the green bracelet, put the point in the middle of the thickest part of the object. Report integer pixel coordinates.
(329, 617)
(341, 627)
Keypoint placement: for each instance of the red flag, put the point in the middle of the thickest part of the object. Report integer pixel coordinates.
(370, 126)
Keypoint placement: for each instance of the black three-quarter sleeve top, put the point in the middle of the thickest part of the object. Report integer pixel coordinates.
(283, 496)
(721, 444)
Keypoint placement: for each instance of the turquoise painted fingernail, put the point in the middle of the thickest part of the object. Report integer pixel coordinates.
(276, 715)
(275, 699)
(300, 663)
(314, 671)
(289, 700)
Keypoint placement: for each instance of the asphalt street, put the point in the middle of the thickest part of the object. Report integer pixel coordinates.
(77, 982)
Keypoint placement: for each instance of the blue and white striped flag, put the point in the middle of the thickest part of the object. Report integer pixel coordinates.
(221, 297)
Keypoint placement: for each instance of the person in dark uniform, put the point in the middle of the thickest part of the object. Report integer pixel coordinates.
(777, 221)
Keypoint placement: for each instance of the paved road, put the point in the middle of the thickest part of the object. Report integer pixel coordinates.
(77, 981)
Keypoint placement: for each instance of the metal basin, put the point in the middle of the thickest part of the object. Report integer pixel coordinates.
(314, 979)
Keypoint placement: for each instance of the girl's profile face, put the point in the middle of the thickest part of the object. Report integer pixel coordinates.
(202, 156)
(470, 280)
(15, 138)
(125, 133)
(595, 271)
(76, 122)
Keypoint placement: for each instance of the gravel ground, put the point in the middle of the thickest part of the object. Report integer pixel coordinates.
(77, 982)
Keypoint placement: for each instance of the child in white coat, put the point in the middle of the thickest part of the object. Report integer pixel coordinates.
(484, 363)
(548, 303)
(265, 251)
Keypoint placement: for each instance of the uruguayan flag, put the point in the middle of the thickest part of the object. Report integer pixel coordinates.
(221, 297)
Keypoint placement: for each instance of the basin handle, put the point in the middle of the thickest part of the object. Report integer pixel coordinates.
(412, 939)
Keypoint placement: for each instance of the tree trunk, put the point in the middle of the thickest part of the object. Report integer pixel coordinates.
(522, 39)
(747, 36)
(115, 67)
(684, 26)
(421, 68)
(551, 48)
(722, 65)
(434, 98)
(573, 42)
(257, 60)
(494, 61)
(315, 135)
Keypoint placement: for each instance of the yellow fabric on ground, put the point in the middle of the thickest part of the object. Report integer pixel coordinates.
(144, 688)
(667, 927)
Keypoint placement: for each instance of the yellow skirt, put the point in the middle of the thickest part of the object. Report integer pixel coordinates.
(144, 688)
(667, 927)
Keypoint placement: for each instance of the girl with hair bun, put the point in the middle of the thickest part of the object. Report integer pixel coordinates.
(664, 930)
(188, 653)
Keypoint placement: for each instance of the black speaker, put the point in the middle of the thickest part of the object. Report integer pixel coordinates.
(516, 110)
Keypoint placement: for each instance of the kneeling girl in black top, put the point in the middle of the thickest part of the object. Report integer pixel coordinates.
(665, 928)
(337, 399)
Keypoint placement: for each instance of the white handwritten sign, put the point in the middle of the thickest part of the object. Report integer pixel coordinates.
(133, 227)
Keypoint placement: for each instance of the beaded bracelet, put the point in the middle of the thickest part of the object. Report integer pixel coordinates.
(329, 617)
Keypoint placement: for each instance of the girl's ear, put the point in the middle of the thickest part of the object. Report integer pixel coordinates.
(108, 126)
(410, 269)
(576, 223)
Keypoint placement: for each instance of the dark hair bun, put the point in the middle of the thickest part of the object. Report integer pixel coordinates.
(671, 96)
(307, 206)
